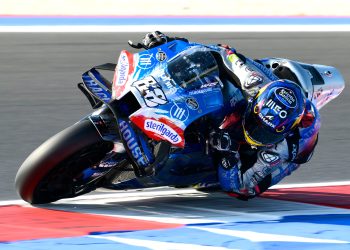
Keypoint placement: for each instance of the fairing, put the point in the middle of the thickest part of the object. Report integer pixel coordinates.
(174, 84)
(321, 83)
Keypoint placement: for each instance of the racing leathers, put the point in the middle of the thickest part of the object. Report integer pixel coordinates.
(245, 170)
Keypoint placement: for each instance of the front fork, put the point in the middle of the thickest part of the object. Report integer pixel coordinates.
(128, 141)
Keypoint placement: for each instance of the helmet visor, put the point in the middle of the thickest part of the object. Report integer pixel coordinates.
(257, 133)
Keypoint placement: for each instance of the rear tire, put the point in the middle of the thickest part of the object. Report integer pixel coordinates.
(48, 173)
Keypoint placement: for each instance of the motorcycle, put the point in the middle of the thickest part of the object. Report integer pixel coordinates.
(151, 123)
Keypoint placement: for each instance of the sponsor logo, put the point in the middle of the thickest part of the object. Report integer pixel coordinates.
(249, 69)
(269, 157)
(179, 112)
(286, 96)
(318, 93)
(151, 92)
(233, 101)
(266, 171)
(210, 84)
(131, 143)
(164, 77)
(259, 175)
(95, 88)
(225, 163)
(254, 79)
(168, 84)
(161, 56)
(276, 108)
(122, 69)
(163, 130)
(192, 103)
(146, 61)
(266, 120)
(328, 73)
(165, 80)
(294, 151)
(236, 60)
(199, 91)
(171, 89)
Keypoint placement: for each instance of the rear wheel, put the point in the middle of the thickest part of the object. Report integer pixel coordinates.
(53, 171)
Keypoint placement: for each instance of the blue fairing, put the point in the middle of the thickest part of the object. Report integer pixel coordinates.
(177, 81)
(175, 84)
(94, 81)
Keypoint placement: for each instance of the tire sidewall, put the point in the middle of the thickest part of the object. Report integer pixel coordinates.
(51, 153)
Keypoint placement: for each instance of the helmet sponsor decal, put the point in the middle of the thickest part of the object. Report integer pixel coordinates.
(163, 130)
(267, 120)
(286, 96)
(276, 108)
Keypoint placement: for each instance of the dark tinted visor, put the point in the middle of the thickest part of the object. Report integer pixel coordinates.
(259, 132)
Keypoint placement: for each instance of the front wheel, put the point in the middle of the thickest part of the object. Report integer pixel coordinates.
(51, 172)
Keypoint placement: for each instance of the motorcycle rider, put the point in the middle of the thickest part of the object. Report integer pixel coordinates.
(274, 132)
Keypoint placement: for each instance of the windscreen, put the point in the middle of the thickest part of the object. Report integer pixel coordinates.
(194, 68)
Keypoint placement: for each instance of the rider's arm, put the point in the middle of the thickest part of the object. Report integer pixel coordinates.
(272, 164)
(246, 73)
(301, 146)
(249, 181)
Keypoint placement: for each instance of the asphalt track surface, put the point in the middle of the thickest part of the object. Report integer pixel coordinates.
(38, 94)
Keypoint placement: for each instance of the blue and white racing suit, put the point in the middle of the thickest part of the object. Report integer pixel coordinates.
(270, 165)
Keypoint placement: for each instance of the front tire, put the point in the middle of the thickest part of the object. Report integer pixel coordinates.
(48, 173)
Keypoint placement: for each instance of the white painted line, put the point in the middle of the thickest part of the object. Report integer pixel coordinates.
(179, 28)
(13, 202)
(200, 210)
(264, 237)
(316, 184)
(169, 218)
(129, 195)
(156, 245)
(151, 192)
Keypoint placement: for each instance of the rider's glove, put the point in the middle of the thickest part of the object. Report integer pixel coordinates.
(154, 39)
(150, 40)
(221, 141)
(229, 50)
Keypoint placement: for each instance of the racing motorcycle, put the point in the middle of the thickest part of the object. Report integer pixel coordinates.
(150, 124)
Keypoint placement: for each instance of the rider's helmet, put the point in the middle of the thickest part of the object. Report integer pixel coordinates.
(273, 113)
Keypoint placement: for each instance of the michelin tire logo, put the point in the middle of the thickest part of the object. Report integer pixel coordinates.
(163, 130)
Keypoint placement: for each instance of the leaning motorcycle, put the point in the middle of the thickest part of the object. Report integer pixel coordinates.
(151, 123)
